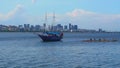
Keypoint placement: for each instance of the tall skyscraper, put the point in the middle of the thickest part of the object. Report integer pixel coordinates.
(75, 27)
(65, 27)
(27, 27)
(70, 26)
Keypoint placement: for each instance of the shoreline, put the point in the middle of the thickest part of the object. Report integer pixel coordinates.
(41, 31)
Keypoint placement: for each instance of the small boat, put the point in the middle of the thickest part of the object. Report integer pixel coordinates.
(100, 40)
(51, 36)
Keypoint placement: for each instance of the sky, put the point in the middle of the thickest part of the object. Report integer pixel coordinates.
(88, 14)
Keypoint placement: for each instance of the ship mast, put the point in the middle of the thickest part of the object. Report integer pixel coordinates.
(53, 22)
(45, 22)
(54, 17)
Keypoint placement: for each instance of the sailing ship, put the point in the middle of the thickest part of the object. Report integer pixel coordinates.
(49, 36)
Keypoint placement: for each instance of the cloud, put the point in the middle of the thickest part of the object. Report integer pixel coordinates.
(91, 20)
(79, 14)
(16, 11)
(33, 1)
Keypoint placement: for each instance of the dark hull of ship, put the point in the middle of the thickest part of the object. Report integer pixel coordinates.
(50, 38)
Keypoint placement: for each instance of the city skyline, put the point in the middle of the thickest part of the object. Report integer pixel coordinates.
(33, 28)
(87, 14)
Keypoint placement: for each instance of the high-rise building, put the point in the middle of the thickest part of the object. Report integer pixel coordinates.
(75, 27)
(0, 27)
(20, 28)
(59, 27)
(32, 28)
(65, 27)
(37, 28)
(27, 27)
(70, 26)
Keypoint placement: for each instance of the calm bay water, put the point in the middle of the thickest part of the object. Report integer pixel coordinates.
(26, 50)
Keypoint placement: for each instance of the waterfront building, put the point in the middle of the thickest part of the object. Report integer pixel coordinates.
(12, 28)
(38, 28)
(3, 28)
(59, 27)
(70, 26)
(32, 28)
(100, 30)
(27, 27)
(75, 27)
(65, 27)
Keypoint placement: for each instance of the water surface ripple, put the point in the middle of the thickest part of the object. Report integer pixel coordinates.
(26, 50)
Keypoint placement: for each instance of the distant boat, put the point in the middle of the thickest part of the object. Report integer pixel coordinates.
(51, 36)
(100, 40)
